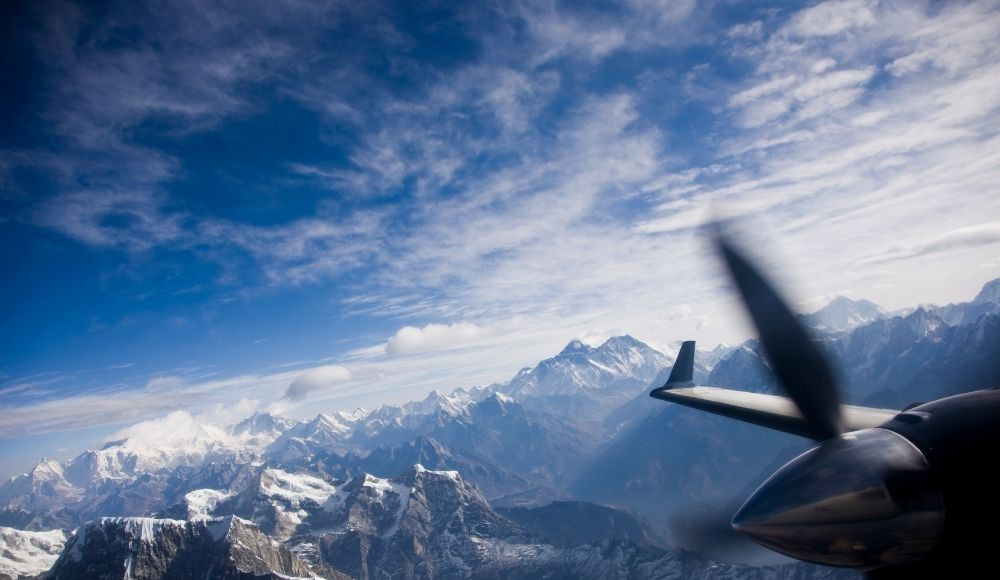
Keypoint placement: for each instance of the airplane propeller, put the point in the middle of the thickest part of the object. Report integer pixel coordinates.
(797, 362)
(793, 511)
(873, 493)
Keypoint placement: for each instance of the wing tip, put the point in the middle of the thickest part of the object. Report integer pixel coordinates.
(682, 374)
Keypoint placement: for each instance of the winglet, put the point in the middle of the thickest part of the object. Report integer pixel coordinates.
(683, 371)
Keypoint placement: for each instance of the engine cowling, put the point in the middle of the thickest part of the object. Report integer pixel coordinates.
(864, 499)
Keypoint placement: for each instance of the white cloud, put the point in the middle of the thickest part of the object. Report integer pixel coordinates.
(832, 82)
(746, 30)
(957, 39)
(534, 228)
(832, 17)
(280, 407)
(761, 113)
(869, 118)
(177, 429)
(679, 312)
(171, 428)
(304, 250)
(557, 32)
(132, 221)
(597, 337)
(315, 380)
(108, 407)
(762, 90)
(809, 96)
(827, 103)
(82, 411)
(228, 413)
(822, 65)
(837, 168)
(411, 340)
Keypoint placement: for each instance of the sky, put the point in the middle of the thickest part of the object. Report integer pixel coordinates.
(216, 207)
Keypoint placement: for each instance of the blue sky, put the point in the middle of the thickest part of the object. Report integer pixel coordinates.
(304, 206)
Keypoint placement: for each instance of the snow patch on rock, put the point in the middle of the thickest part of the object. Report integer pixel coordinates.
(202, 502)
(29, 553)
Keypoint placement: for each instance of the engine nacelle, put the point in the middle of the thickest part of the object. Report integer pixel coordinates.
(865, 499)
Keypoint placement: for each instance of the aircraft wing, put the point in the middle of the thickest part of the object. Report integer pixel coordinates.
(772, 411)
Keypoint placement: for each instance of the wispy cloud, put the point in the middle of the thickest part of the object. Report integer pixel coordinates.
(128, 405)
(549, 183)
(304, 250)
(131, 221)
(164, 383)
(986, 234)
(830, 18)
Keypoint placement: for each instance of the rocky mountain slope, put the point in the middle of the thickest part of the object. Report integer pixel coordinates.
(340, 493)
(163, 548)
(427, 524)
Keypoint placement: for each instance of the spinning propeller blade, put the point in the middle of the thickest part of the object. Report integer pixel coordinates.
(796, 360)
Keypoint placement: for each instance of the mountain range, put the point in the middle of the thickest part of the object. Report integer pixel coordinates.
(568, 469)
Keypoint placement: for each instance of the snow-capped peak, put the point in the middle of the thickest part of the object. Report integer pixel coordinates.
(843, 313)
(622, 343)
(711, 357)
(350, 417)
(454, 404)
(575, 346)
(924, 323)
(453, 475)
(329, 423)
(47, 469)
(621, 361)
(263, 424)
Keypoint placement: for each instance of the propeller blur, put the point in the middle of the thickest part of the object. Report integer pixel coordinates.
(894, 493)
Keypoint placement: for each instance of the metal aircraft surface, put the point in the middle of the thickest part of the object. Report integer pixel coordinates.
(896, 493)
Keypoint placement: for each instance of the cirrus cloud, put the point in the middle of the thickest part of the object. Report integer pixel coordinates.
(957, 239)
(165, 383)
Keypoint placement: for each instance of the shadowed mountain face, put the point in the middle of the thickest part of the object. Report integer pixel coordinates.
(919, 357)
(675, 458)
(406, 491)
(571, 523)
(489, 476)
